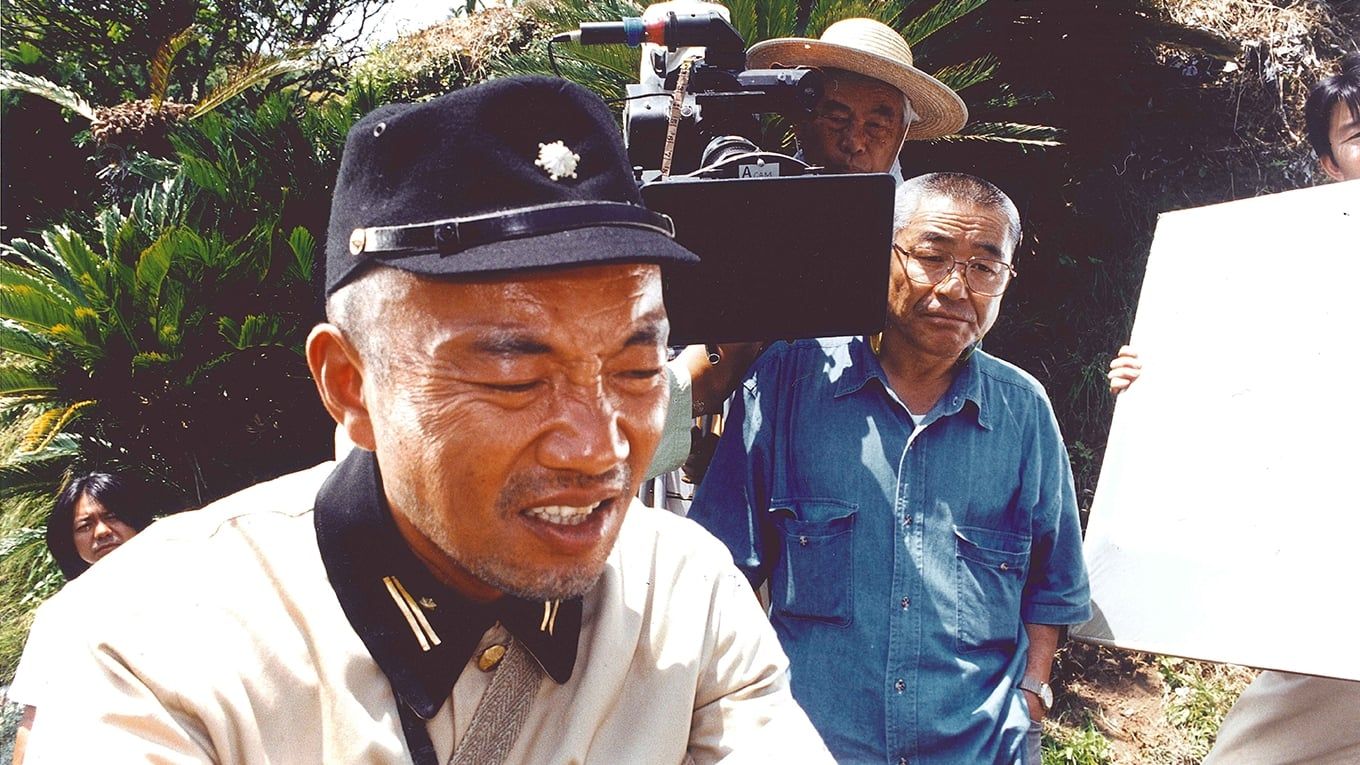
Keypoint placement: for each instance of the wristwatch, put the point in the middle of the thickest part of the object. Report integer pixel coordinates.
(1039, 689)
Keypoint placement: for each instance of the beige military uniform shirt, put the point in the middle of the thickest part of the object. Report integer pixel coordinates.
(217, 636)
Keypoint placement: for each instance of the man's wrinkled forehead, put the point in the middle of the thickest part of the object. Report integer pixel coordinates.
(940, 215)
(886, 99)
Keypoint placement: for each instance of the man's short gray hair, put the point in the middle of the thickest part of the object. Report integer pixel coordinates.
(959, 187)
(365, 306)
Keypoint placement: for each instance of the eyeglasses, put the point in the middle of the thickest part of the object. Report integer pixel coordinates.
(985, 276)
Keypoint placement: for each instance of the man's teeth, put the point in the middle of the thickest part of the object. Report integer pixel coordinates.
(563, 515)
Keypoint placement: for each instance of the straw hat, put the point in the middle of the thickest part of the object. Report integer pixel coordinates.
(873, 49)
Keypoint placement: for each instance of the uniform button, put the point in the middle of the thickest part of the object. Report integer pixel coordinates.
(489, 658)
(905, 602)
(900, 685)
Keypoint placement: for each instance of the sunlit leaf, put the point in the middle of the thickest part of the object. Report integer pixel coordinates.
(49, 425)
(39, 86)
(164, 60)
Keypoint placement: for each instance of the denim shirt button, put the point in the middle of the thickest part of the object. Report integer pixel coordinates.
(906, 602)
(901, 761)
(802, 541)
(900, 685)
(906, 521)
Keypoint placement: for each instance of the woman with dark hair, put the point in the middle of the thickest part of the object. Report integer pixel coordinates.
(94, 515)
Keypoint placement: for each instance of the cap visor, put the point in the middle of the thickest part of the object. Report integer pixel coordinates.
(596, 245)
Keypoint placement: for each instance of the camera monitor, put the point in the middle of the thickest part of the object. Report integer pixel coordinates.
(782, 258)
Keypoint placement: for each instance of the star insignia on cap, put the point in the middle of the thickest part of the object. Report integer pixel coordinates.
(559, 161)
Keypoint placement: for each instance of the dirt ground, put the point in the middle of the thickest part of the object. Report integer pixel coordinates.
(1149, 709)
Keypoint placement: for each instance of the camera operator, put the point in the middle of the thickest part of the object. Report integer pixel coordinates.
(873, 101)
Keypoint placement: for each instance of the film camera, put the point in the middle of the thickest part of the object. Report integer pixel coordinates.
(787, 251)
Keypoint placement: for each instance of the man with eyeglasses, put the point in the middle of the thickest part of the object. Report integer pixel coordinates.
(909, 501)
(874, 100)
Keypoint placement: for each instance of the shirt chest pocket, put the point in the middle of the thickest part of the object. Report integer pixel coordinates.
(814, 578)
(989, 571)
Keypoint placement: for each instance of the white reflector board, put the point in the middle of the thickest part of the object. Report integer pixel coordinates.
(1226, 526)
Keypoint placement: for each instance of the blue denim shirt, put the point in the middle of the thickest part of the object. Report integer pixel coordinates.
(902, 562)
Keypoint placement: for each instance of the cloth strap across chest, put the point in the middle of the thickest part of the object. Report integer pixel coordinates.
(497, 721)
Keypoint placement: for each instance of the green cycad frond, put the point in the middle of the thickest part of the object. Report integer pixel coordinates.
(33, 302)
(40, 86)
(963, 76)
(116, 232)
(254, 332)
(939, 16)
(21, 341)
(22, 382)
(825, 14)
(302, 245)
(763, 19)
(39, 472)
(164, 60)
(253, 73)
(48, 426)
(78, 259)
(152, 266)
(1024, 136)
(161, 206)
(169, 330)
(45, 263)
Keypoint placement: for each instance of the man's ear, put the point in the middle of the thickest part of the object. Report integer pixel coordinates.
(1331, 168)
(339, 375)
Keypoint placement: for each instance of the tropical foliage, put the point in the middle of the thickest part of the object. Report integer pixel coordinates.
(163, 338)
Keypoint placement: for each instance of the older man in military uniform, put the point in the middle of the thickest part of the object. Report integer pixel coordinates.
(474, 583)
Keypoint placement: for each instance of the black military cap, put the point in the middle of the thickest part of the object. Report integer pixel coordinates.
(513, 174)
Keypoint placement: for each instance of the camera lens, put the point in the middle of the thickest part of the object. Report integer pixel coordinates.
(726, 146)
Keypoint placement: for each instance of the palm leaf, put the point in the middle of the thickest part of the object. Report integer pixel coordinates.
(207, 175)
(150, 359)
(47, 264)
(40, 472)
(16, 339)
(937, 17)
(152, 266)
(1025, 136)
(115, 231)
(15, 382)
(303, 246)
(39, 86)
(34, 280)
(48, 425)
(161, 206)
(163, 61)
(168, 329)
(824, 14)
(251, 74)
(962, 76)
(763, 19)
(31, 302)
(76, 256)
(254, 332)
